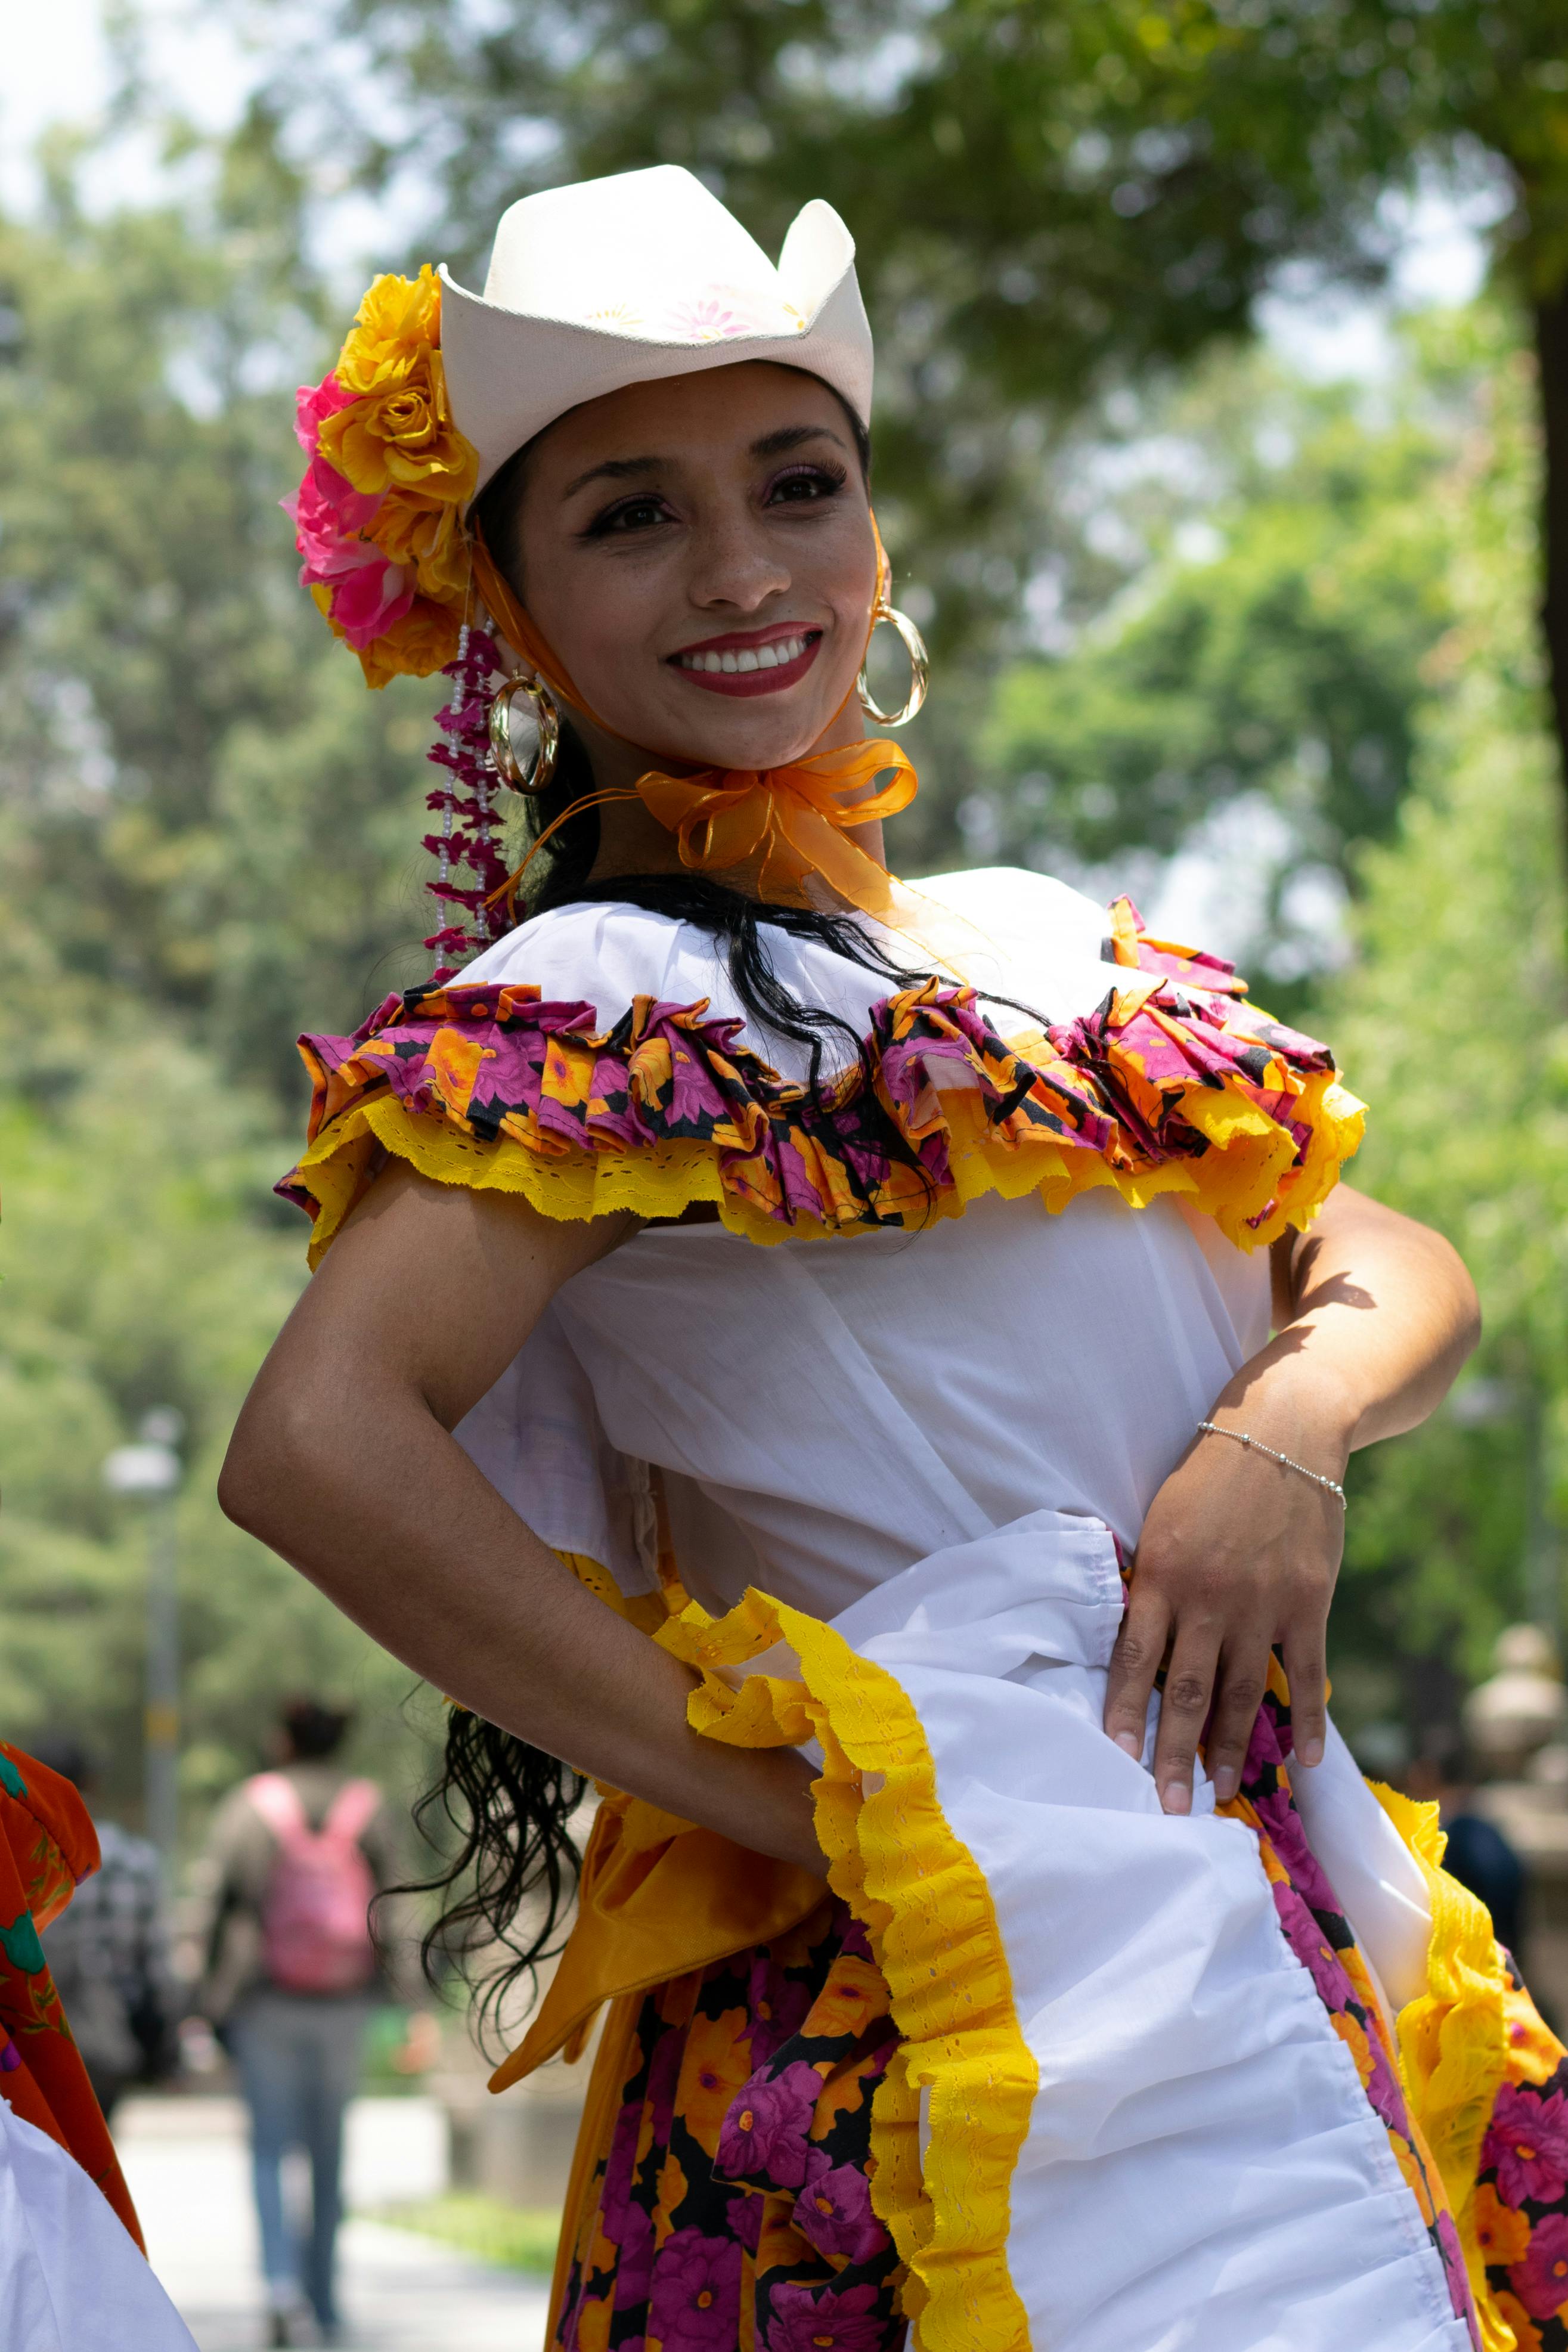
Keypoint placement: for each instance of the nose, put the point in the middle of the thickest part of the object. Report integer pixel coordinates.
(732, 567)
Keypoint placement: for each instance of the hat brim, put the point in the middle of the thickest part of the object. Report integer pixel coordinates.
(508, 376)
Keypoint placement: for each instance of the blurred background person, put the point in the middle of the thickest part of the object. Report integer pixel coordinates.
(109, 1953)
(296, 1858)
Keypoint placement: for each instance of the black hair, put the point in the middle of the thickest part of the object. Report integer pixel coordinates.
(499, 1815)
(62, 1752)
(314, 1731)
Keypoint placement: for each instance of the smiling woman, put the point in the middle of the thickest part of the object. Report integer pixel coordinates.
(715, 593)
(773, 1339)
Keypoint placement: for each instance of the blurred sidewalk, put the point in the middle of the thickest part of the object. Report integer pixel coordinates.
(188, 2165)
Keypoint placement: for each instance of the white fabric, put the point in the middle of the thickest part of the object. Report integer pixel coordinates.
(1021, 935)
(633, 279)
(931, 1438)
(71, 2280)
(1202, 2171)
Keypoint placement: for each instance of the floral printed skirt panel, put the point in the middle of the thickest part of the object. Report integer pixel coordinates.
(730, 2208)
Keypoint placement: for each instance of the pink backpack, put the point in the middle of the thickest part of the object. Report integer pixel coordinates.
(315, 1923)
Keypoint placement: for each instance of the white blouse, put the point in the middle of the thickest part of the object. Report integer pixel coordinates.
(825, 1413)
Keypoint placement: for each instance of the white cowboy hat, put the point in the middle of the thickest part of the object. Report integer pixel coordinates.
(642, 275)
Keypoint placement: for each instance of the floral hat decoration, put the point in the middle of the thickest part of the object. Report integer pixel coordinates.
(378, 518)
(593, 287)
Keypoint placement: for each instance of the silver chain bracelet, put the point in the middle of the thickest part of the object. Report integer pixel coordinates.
(1255, 1445)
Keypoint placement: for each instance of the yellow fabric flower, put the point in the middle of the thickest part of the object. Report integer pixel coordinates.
(1502, 2233)
(855, 1993)
(1526, 2335)
(422, 642)
(1355, 2035)
(396, 327)
(673, 2189)
(427, 534)
(1415, 2179)
(402, 437)
(716, 2062)
(1534, 2053)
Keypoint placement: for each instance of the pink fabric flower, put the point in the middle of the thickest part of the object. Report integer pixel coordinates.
(801, 2321)
(329, 515)
(696, 2300)
(314, 404)
(372, 596)
(1527, 2140)
(330, 518)
(833, 2211)
(764, 2134)
(1541, 2281)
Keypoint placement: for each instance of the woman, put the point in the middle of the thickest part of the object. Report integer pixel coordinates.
(1084, 2042)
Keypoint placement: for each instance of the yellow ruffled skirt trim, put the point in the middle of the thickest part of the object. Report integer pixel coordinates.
(1453, 2051)
(927, 1908)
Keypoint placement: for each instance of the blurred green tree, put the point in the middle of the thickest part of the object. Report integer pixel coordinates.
(208, 840)
(1271, 651)
(140, 1269)
(1052, 197)
(207, 813)
(1453, 1020)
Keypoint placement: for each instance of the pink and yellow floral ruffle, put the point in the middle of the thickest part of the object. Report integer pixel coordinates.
(1165, 1087)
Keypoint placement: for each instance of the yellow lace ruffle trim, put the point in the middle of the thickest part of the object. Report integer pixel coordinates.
(1247, 1168)
(1452, 2048)
(929, 1913)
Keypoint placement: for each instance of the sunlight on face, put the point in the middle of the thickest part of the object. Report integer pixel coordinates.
(698, 554)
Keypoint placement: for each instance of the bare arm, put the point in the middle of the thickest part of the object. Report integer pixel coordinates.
(1376, 1315)
(343, 1460)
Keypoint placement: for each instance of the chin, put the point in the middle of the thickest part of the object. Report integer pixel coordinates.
(740, 736)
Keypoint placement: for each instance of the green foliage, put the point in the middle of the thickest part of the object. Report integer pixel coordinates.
(202, 800)
(1453, 1022)
(1285, 659)
(208, 841)
(1050, 197)
(140, 1269)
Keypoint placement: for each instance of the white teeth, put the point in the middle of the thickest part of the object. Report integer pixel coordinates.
(776, 656)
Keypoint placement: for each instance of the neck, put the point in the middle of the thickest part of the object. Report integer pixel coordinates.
(632, 840)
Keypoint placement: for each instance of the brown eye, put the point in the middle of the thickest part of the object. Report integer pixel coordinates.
(632, 514)
(805, 485)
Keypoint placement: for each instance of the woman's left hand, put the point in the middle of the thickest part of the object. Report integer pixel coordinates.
(1238, 1553)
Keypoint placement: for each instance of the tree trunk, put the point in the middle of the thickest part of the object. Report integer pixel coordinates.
(1552, 350)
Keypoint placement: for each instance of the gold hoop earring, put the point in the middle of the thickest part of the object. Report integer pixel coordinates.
(914, 646)
(536, 776)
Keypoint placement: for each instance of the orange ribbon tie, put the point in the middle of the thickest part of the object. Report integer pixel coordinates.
(795, 816)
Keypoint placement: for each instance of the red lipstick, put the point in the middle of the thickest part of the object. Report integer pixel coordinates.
(751, 661)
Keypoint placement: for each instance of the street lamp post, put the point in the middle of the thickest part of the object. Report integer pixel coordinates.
(150, 1471)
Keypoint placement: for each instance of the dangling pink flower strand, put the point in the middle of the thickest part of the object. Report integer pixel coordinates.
(466, 804)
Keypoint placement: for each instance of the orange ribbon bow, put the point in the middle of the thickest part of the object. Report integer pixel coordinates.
(793, 818)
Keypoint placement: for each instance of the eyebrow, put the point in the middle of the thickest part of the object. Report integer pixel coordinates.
(771, 445)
